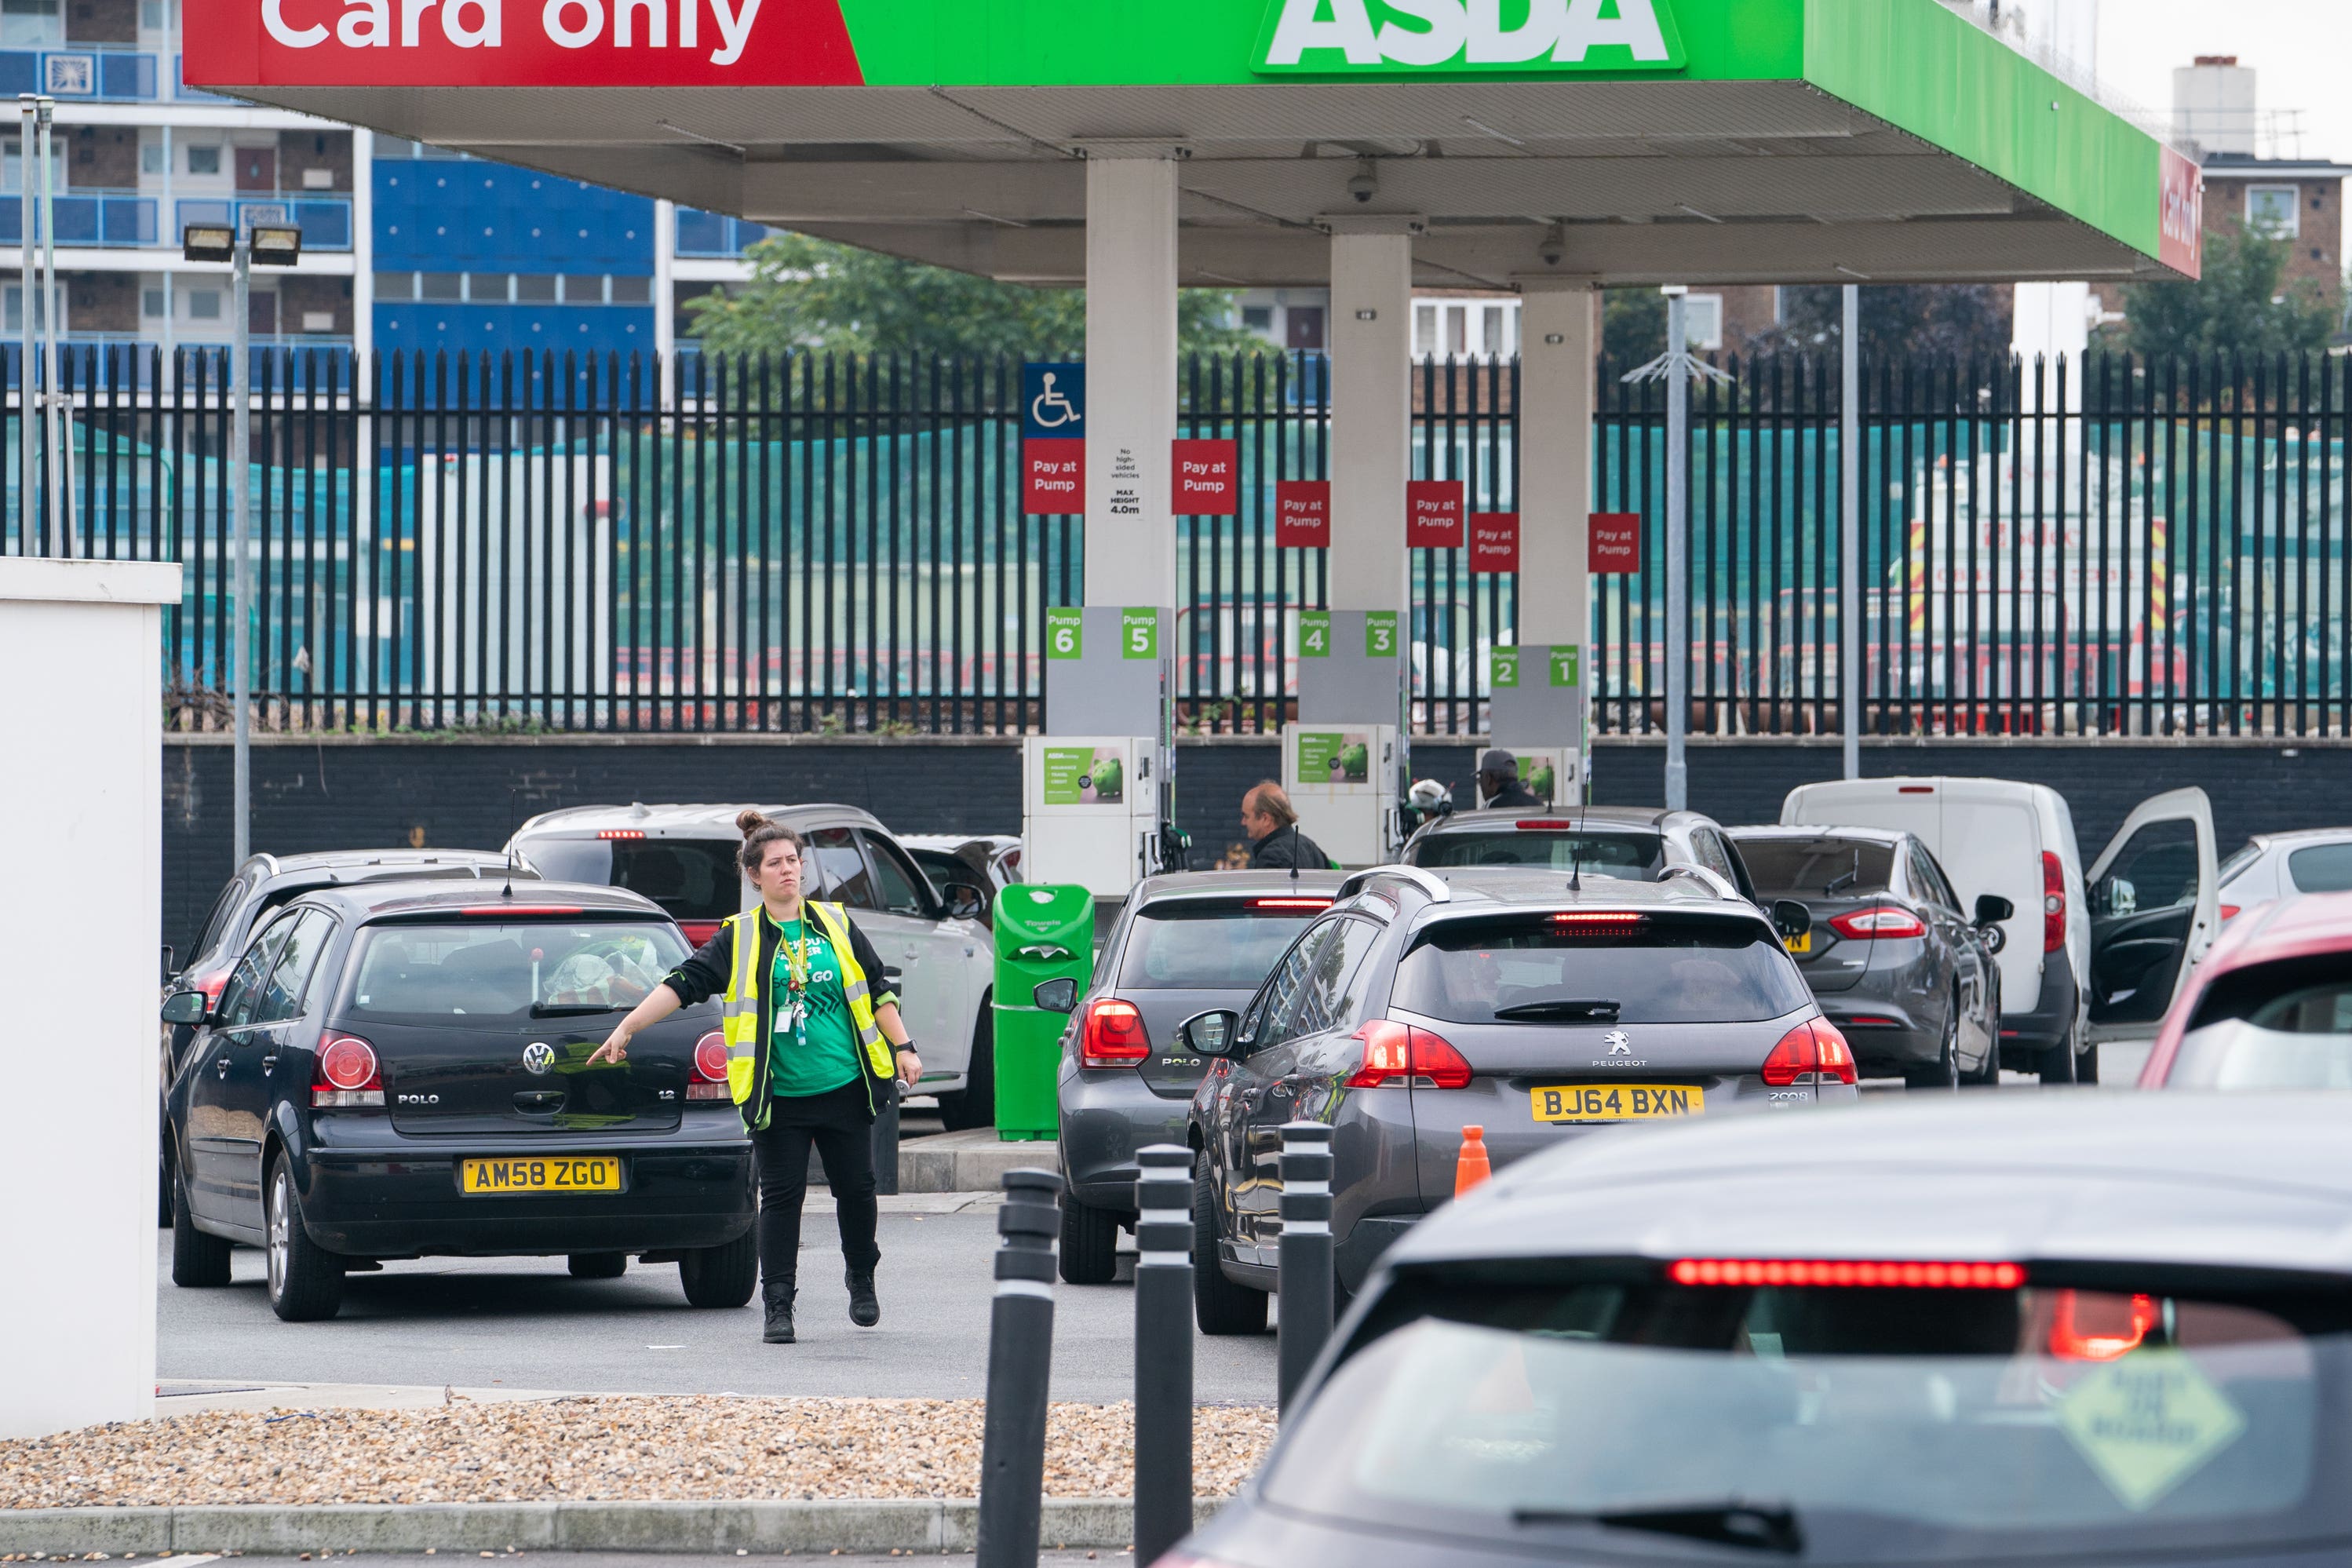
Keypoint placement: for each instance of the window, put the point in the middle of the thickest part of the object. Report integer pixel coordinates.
(204, 158)
(441, 285)
(1206, 944)
(1258, 318)
(632, 290)
(33, 23)
(12, 165)
(534, 286)
(1667, 971)
(904, 888)
(1817, 868)
(2284, 1024)
(841, 874)
(1457, 329)
(513, 969)
(1328, 999)
(2275, 210)
(2156, 869)
(289, 976)
(1490, 337)
(153, 16)
(1710, 853)
(692, 878)
(318, 321)
(155, 302)
(203, 304)
(1703, 321)
(243, 992)
(579, 290)
(486, 287)
(1632, 857)
(151, 157)
(2322, 868)
(1424, 328)
(395, 285)
(1287, 993)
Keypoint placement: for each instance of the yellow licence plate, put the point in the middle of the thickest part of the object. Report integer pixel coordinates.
(570, 1174)
(1619, 1102)
(1799, 945)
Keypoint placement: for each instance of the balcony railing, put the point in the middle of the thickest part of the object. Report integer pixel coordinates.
(707, 235)
(98, 73)
(114, 220)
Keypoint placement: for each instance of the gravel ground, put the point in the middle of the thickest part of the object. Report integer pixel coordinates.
(595, 1448)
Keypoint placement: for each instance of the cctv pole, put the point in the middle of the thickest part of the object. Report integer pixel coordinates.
(240, 687)
(1850, 536)
(1677, 650)
(28, 468)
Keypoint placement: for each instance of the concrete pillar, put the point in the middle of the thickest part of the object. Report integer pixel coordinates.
(1544, 712)
(665, 289)
(78, 1081)
(363, 258)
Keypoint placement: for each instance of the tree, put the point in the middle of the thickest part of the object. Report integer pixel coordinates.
(1632, 325)
(2243, 305)
(814, 294)
(1963, 321)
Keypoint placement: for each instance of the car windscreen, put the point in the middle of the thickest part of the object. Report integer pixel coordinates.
(692, 878)
(1655, 968)
(1212, 944)
(1629, 856)
(2286, 1024)
(1817, 868)
(509, 969)
(1609, 1406)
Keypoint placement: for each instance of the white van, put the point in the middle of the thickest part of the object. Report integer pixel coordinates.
(2083, 959)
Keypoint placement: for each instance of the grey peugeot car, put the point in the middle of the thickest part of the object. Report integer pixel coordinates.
(1638, 844)
(1182, 943)
(1536, 1008)
(2059, 1329)
(1910, 980)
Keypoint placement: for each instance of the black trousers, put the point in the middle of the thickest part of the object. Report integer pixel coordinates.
(835, 1125)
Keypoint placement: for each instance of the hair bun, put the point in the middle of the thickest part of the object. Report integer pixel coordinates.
(750, 822)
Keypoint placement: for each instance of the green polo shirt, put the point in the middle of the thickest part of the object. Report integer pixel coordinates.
(822, 1055)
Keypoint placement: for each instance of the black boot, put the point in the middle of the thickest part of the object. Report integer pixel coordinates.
(778, 1294)
(864, 1307)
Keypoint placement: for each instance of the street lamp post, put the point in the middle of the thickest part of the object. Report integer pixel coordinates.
(271, 248)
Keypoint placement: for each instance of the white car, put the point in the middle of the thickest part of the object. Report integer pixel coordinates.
(2086, 958)
(683, 857)
(2274, 865)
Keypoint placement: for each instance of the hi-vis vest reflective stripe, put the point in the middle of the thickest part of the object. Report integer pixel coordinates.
(740, 1010)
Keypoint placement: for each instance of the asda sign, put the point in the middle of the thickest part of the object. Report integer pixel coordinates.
(1389, 37)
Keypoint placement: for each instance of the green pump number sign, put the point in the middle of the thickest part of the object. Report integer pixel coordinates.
(1387, 38)
(1138, 633)
(1379, 634)
(1066, 634)
(1314, 633)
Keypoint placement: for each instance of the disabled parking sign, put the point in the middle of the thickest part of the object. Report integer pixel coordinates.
(1053, 402)
(1053, 439)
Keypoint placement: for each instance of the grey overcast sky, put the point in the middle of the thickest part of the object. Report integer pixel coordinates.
(2301, 47)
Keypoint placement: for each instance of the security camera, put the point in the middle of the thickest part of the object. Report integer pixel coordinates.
(1554, 249)
(1366, 185)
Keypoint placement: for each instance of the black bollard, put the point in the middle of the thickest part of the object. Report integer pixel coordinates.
(1020, 1362)
(1305, 1318)
(1163, 1350)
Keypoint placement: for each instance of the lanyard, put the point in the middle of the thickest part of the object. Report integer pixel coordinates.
(796, 970)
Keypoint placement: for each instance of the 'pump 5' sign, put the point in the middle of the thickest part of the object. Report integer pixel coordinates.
(520, 43)
(1362, 37)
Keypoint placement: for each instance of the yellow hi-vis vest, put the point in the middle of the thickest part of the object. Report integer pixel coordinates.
(740, 1010)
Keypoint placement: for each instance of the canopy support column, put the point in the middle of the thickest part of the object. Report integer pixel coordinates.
(1543, 716)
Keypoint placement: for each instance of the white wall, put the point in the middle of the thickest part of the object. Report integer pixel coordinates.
(79, 911)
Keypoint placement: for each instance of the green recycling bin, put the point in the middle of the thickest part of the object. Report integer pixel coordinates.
(1045, 933)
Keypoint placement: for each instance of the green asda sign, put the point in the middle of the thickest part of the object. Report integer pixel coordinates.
(1385, 37)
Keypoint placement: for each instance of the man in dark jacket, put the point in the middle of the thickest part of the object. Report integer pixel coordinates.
(1499, 785)
(1271, 824)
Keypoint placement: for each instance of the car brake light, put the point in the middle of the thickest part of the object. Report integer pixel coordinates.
(1543, 825)
(620, 833)
(1846, 1272)
(1599, 922)
(2099, 1327)
(1113, 1035)
(699, 932)
(2230, 911)
(709, 1068)
(1399, 1053)
(493, 911)
(347, 1074)
(1915, 789)
(2054, 903)
(213, 984)
(1290, 903)
(1880, 923)
(1812, 1046)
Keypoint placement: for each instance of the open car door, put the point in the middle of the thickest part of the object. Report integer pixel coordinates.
(2154, 908)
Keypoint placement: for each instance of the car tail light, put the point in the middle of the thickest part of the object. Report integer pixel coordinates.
(1812, 1046)
(1598, 923)
(699, 932)
(347, 1074)
(2230, 911)
(1399, 1053)
(2054, 903)
(620, 833)
(709, 1080)
(1846, 1272)
(1545, 824)
(1915, 789)
(1880, 923)
(1290, 903)
(1113, 1035)
(212, 986)
(2093, 1326)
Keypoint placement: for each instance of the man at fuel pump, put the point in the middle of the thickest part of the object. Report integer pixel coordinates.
(811, 1055)
(1498, 783)
(1271, 824)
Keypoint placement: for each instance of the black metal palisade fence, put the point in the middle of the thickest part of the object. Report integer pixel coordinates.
(820, 543)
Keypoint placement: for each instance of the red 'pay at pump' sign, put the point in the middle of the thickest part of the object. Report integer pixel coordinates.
(1207, 476)
(1433, 514)
(1613, 542)
(1052, 477)
(1302, 514)
(1494, 542)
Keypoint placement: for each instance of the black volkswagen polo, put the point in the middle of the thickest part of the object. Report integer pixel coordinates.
(399, 1070)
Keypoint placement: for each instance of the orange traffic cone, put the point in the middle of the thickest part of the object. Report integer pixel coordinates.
(1472, 1166)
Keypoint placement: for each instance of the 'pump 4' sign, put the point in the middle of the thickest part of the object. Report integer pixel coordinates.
(1363, 38)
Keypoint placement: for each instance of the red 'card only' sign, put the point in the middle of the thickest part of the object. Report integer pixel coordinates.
(1207, 476)
(1053, 476)
(1433, 514)
(1494, 542)
(1302, 514)
(1613, 542)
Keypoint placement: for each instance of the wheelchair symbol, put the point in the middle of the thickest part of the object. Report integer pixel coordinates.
(1051, 411)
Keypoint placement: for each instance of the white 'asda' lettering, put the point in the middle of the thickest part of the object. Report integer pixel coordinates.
(480, 23)
(1470, 30)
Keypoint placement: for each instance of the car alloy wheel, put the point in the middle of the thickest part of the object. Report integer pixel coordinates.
(306, 1281)
(281, 1192)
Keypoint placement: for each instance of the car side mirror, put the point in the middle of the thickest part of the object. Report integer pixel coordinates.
(966, 902)
(1791, 919)
(1992, 909)
(1209, 1034)
(186, 1007)
(1056, 995)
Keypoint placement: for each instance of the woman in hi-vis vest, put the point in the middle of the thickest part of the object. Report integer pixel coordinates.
(812, 1050)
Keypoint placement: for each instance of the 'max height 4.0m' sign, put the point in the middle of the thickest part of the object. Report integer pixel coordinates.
(1520, 37)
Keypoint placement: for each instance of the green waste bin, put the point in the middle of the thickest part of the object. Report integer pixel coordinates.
(1044, 932)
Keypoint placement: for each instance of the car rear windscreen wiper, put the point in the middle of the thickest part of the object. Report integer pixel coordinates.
(1562, 1007)
(572, 1009)
(1761, 1526)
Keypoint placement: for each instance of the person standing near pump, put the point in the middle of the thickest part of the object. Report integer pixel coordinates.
(1271, 824)
(811, 1051)
(1498, 783)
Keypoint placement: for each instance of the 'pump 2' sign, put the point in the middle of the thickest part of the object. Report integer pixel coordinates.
(1388, 37)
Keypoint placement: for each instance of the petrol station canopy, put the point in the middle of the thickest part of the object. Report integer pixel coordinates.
(1620, 141)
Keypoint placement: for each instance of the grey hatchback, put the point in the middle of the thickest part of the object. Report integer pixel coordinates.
(1633, 843)
(1507, 998)
(1181, 943)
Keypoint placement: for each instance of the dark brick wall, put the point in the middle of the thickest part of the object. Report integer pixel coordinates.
(471, 794)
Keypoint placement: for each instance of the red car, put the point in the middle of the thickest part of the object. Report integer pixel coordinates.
(2270, 1007)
